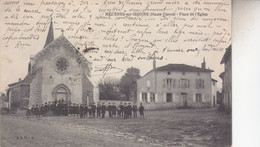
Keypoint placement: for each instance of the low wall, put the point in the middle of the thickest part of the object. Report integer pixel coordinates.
(154, 106)
(115, 101)
(168, 105)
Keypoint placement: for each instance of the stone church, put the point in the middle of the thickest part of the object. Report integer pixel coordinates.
(58, 71)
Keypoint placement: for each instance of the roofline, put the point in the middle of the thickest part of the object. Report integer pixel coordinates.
(214, 80)
(71, 45)
(221, 74)
(18, 84)
(206, 70)
(209, 70)
(13, 84)
(228, 49)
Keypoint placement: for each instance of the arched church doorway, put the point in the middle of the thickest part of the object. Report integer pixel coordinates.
(61, 92)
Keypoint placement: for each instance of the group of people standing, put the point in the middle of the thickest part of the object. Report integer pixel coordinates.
(62, 108)
(121, 111)
(55, 108)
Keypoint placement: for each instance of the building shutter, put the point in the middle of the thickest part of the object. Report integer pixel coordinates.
(164, 97)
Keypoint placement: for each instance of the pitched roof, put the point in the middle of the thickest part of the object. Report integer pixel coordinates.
(62, 38)
(30, 76)
(27, 80)
(227, 55)
(13, 84)
(179, 68)
(182, 68)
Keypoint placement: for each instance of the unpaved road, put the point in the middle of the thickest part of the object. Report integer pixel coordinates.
(195, 127)
(19, 132)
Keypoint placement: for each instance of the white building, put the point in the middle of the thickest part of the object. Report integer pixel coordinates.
(175, 85)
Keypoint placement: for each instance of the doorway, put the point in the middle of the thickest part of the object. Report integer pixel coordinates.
(61, 92)
(184, 99)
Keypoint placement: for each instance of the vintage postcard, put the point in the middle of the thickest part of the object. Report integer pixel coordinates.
(115, 73)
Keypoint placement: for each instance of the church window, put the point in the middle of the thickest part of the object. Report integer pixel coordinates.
(61, 65)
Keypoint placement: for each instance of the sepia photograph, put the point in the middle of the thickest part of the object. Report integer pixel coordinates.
(116, 73)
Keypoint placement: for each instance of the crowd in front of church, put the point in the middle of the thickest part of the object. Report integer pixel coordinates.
(63, 108)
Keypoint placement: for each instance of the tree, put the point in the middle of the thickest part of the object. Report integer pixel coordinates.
(109, 89)
(128, 83)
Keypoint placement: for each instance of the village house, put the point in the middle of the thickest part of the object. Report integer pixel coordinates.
(214, 92)
(58, 71)
(177, 85)
(226, 77)
(3, 103)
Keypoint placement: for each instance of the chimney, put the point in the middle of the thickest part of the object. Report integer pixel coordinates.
(154, 63)
(203, 64)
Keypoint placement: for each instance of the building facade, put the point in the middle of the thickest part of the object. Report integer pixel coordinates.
(226, 77)
(176, 85)
(56, 72)
(214, 89)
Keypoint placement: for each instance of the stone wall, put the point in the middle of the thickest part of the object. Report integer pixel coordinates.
(36, 89)
(88, 90)
(227, 84)
(14, 97)
(25, 95)
(71, 78)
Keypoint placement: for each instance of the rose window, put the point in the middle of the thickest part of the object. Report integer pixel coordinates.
(62, 65)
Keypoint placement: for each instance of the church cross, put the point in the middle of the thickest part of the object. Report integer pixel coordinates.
(62, 31)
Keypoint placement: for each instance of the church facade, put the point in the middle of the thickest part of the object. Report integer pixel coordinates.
(57, 72)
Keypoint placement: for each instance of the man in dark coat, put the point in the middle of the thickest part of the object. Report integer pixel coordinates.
(122, 110)
(125, 111)
(109, 109)
(42, 110)
(85, 114)
(28, 112)
(89, 111)
(81, 109)
(93, 109)
(33, 110)
(113, 111)
(49, 109)
(60, 108)
(37, 111)
(129, 110)
(53, 105)
(46, 109)
(135, 110)
(103, 110)
(141, 110)
(77, 109)
(98, 110)
(118, 111)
